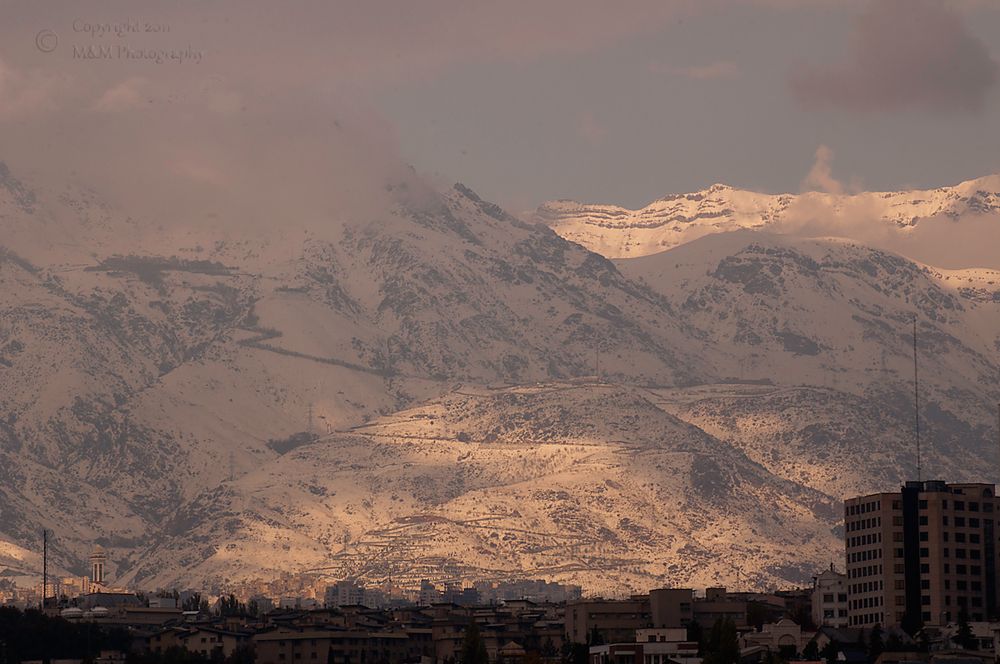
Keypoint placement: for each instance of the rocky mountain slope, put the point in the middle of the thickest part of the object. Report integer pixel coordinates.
(831, 323)
(579, 482)
(413, 395)
(131, 382)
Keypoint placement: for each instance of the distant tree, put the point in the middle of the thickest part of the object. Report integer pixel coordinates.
(912, 623)
(876, 646)
(574, 653)
(175, 655)
(729, 645)
(595, 638)
(695, 634)
(549, 648)
(31, 635)
(756, 614)
(473, 647)
(830, 651)
(802, 616)
(253, 609)
(230, 606)
(723, 643)
(811, 651)
(192, 603)
(964, 637)
(787, 653)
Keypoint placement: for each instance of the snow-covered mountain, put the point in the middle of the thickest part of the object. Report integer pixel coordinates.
(828, 323)
(130, 383)
(579, 482)
(617, 232)
(414, 394)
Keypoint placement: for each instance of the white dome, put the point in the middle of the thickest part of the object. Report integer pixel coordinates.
(99, 611)
(71, 612)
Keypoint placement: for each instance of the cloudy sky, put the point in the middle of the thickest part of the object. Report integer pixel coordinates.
(524, 100)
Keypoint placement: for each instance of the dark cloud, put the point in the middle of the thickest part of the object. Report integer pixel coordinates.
(904, 54)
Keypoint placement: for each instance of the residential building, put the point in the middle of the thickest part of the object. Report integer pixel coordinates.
(345, 593)
(428, 593)
(615, 620)
(286, 647)
(829, 599)
(671, 607)
(922, 555)
(211, 641)
(649, 646)
(783, 637)
(719, 605)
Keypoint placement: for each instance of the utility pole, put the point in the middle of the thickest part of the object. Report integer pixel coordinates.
(45, 565)
(916, 399)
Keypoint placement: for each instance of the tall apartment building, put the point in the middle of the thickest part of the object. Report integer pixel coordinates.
(923, 554)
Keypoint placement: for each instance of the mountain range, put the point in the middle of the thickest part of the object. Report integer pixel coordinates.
(907, 222)
(444, 390)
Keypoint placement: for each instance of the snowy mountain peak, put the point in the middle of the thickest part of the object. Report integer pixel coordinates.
(619, 232)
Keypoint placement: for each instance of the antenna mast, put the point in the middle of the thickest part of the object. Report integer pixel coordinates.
(916, 400)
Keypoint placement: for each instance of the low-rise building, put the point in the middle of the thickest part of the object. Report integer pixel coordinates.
(829, 599)
(649, 646)
(671, 607)
(288, 646)
(784, 637)
(718, 605)
(211, 641)
(285, 646)
(614, 620)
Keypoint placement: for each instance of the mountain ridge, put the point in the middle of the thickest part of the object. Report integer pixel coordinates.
(219, 406)
(620, 232)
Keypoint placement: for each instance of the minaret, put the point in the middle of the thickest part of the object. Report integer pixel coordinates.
(98, 561)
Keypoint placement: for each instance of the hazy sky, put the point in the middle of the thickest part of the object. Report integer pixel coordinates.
(523, 100)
